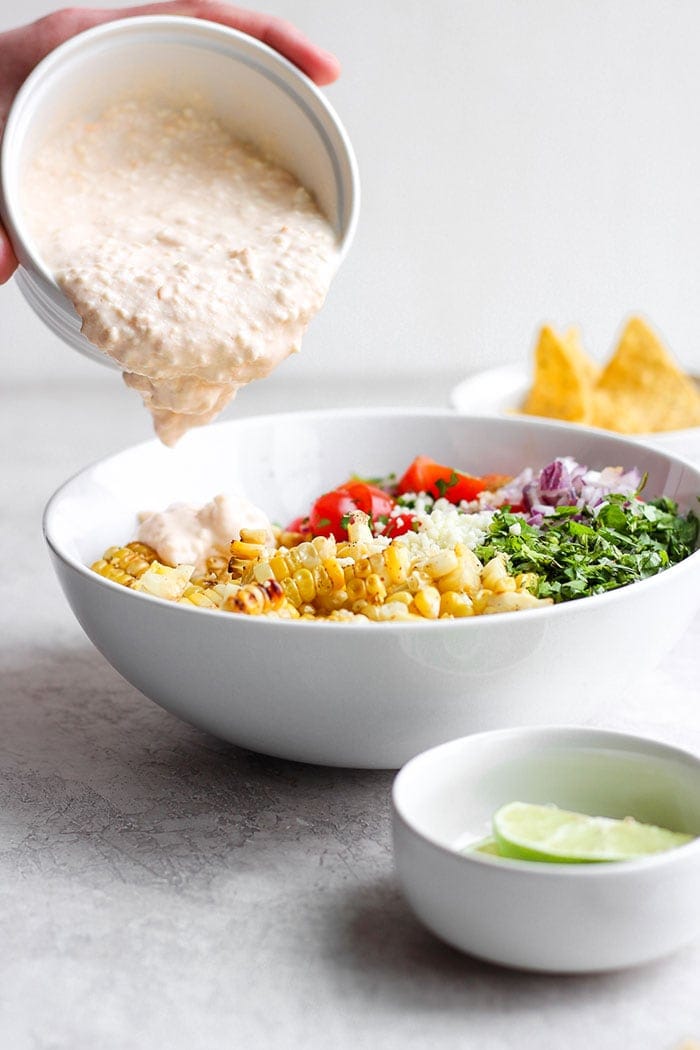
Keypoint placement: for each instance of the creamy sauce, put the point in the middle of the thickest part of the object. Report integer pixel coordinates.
(186, 534)
(194, 263)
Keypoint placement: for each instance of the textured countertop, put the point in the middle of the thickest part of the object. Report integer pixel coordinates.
(161, 889)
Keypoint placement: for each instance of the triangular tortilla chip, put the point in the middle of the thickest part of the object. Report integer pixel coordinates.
(564, 378)
(642, 389)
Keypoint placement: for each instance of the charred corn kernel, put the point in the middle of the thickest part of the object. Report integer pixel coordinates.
(280, 566)
(494, 574)
(306, 555)
(405, 597)
(255, 598)
(113, 573)
(195, 595)
(376, 591)
(356, 588)
(261, 571)
(466, 576)
(257, 536)
(453, 603)
(335, 573)
(441, 564)
(427, 603)
(337, 599)
(243, 551)
(291, 539)
(125, 564)
(397, 561)
(247, 599)
(305, 584)
(363, 568)
(291, 591)
(324, 587)
(217, 566)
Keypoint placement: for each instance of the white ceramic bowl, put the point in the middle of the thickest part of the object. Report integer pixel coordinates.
(566, 918)
(502, 390)
(256, 92)
(359, 695)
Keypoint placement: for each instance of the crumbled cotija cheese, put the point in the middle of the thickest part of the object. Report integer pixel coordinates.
(442, 527)
(195, 263)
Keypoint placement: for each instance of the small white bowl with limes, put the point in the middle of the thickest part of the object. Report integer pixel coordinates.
(617, 889)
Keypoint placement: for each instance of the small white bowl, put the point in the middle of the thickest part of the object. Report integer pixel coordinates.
(564, 918)
(369, 695)
(502, 391)
(257, 93)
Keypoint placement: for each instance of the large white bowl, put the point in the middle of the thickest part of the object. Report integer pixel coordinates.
(554, 917)
(368, 695)
(254, 91)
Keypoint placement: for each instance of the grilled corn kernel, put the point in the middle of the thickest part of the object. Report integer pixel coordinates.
(356, 588)
(376, 590)
(427, 603)
(335, 572)
(441, 564)
(244, 551)
(256, 536)
(397, 561)
(453, 603)
(306, 585)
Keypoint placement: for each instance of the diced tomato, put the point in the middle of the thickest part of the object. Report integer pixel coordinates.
(399, 523)
(426, 475)
(300, 524)
(330, 512)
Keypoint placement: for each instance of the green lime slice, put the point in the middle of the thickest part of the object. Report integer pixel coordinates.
(524, 831)
(487, 845)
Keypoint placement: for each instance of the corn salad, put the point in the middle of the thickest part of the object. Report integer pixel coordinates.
(363, 578)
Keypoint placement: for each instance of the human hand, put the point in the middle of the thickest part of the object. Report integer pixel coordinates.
(21, 49)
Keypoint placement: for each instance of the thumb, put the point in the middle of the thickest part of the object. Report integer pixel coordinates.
(8, 259)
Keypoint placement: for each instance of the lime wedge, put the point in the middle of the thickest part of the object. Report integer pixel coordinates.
(487, 845)
(524, 831)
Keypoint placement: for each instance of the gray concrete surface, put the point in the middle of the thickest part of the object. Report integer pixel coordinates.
(161, 889)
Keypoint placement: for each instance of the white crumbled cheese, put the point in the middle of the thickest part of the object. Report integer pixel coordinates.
(443, 527)
(515, 529)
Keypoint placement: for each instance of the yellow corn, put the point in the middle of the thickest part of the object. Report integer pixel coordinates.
(306, 584)
(127, 564)
(318, 578)
(453, 603)
(256, 536)
(376, 591)
(427, 603)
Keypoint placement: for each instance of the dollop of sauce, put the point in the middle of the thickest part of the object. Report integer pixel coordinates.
(193, 261)
(186, 534)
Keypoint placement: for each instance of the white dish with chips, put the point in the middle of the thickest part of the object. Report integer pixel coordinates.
(501, 391)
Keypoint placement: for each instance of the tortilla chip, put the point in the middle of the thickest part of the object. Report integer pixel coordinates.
(564, 378)
(642, 389)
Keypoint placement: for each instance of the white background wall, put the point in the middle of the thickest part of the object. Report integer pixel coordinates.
(521, 160)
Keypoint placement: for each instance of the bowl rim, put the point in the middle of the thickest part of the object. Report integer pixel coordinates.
(10, 209)
(488, 623)
(535, 869)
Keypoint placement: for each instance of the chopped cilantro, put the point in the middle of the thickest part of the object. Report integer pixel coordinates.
(575, 552)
